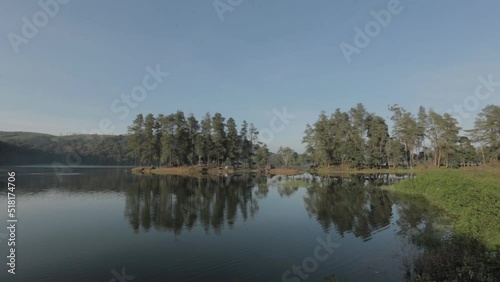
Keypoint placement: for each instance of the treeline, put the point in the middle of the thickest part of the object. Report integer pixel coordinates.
(175, 139)
(27, 148)
(357, 138)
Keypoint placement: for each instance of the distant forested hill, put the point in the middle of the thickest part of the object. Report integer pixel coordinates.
(27, 148)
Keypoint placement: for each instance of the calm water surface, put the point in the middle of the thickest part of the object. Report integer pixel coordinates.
(96, 223)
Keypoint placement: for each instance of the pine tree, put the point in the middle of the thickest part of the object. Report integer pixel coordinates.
(434, 133)
(487, 133)
(232, 141)
(253, 136)
(422, 124)
(309, 140)
(168, 138)
(149, 140)
(157, 139)
(466, 151)
(181, 139)
(205, 142)
(405, 130)
(262, 155)
(378, 136)
(219, 138)
(136, 138)
(449, 138)
(193, 132)
(245, 144)
(395, 151)
(358, 117)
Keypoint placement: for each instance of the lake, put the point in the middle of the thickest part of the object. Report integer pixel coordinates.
(104, 224)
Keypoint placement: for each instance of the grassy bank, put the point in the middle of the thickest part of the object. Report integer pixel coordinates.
(335, 170)
(471, 199)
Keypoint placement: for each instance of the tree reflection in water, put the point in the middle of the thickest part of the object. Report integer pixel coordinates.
(350, 204)
(342, 204)
(346, 204)
(175, 203)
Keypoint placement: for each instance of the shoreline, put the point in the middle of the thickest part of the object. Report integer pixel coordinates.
(469, 197)
(469, 200)
(198, 171)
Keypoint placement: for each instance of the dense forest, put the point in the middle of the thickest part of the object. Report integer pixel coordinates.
(361, 139)
(355, 138)
(27, 148)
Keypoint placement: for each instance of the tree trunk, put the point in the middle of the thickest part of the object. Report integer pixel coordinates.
(482, 152)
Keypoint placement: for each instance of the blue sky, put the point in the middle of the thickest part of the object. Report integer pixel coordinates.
(263, 55)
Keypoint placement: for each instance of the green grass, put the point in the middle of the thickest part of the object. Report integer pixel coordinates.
(470, 197)
(334, 170)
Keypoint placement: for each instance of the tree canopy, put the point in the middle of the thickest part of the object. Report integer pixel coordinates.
(357, 138)
(174, 140)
